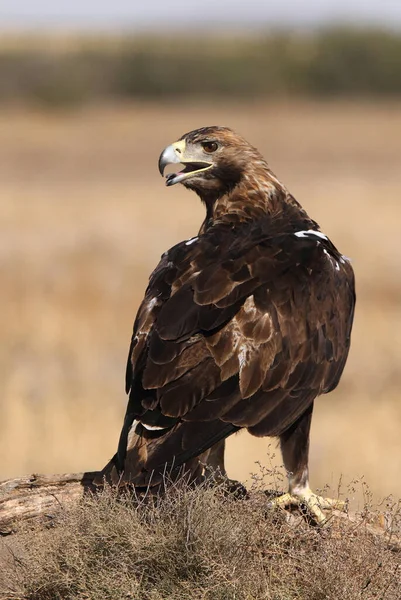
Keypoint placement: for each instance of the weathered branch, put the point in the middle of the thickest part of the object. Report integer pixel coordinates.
(40, 496)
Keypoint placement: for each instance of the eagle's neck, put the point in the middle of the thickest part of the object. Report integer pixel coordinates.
(257, 194)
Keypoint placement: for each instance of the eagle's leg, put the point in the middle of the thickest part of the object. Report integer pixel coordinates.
(213, 460)
(295, 450)
(215, 470)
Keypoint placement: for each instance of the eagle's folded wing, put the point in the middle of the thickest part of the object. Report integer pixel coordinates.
(234, 333)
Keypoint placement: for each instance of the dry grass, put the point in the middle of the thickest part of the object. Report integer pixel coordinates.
(85, 217)
(197, 544)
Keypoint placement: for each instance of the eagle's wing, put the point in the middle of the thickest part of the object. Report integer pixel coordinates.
(235, 330)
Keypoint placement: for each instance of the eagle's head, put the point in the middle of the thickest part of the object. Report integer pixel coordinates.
(215, 160)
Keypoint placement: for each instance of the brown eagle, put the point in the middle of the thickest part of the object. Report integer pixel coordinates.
(242, 326)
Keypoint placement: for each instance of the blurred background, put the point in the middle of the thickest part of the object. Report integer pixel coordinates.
(90, 93)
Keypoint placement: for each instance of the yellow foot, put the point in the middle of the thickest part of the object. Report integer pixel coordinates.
(312, 502)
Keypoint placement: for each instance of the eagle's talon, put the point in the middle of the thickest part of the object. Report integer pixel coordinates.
(311, 502)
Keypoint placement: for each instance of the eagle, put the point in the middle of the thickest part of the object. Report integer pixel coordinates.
(241, 327)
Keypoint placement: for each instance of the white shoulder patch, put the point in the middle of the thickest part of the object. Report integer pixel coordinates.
(153, 427)
(332, 260)
(310, 233)
(191, 241)
(153, 303)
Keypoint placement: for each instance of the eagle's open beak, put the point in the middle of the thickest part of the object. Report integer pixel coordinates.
(177, 154)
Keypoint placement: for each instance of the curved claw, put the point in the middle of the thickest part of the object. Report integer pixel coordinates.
(312, 502)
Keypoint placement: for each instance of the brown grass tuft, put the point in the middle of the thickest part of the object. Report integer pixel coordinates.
(198, 544)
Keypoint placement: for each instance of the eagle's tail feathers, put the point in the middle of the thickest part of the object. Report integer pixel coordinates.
(150, 456)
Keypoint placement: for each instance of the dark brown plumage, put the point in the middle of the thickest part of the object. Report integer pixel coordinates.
(243, 326)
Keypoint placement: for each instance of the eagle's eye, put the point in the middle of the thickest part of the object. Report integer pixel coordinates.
(209, 147)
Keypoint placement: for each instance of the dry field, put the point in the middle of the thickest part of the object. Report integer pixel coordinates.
(84, 219)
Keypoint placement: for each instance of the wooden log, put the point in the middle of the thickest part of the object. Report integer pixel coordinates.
(40, 496)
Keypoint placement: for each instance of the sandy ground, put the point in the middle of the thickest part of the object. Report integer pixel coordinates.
(84, 218)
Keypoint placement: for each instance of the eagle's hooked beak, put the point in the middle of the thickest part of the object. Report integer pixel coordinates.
(177, 153)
